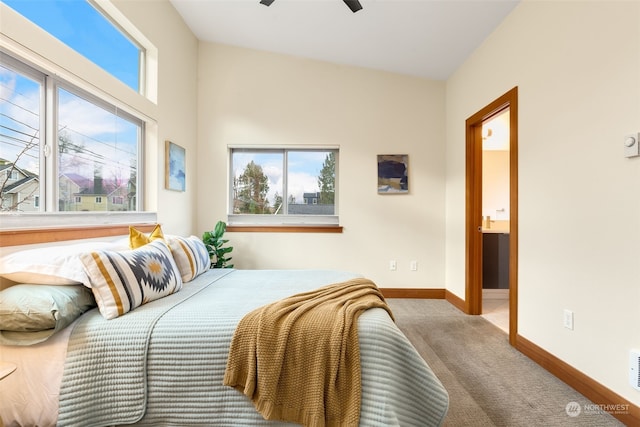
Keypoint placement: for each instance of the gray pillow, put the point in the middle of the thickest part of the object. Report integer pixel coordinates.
(32, 313)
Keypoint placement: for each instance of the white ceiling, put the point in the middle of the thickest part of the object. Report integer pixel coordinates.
(425, 38)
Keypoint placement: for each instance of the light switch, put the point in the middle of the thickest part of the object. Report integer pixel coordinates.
(632, 145)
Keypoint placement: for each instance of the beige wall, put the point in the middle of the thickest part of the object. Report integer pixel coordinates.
(495, 184)
(577, 68)
(252, 97)
(176, 114)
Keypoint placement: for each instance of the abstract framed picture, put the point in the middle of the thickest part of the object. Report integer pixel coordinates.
(393, 173)
(175, 162)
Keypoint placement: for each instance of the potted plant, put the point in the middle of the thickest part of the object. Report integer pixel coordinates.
(215, 245)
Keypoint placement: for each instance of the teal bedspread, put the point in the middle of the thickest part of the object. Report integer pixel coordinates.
(163, 363)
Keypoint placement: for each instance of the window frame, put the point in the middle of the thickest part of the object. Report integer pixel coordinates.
(29, 44)
(119, 24)
(50, 85)
(112, 108)
(237, 221)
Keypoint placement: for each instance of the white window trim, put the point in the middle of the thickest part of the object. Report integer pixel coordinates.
(33, 45)
(32, 220)
(305, 220)
(51, 85)
(148, 79)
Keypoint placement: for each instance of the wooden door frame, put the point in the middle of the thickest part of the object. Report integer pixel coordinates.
(473, 215)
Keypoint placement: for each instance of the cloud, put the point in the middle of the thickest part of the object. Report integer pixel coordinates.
(304, 167)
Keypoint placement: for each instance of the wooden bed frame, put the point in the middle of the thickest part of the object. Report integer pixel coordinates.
(29, 236)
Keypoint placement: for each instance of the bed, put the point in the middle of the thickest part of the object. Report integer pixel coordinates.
(163, 362)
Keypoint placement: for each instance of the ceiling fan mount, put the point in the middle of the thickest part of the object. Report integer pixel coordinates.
(354, 5)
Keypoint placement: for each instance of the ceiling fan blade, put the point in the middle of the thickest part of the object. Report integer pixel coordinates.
(354, 5)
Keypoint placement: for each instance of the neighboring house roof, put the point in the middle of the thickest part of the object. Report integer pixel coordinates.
(15, 187)
(4, 165)
(108, 187)
(27, 176)
(79, 180)
(86, 185)
(308, 209)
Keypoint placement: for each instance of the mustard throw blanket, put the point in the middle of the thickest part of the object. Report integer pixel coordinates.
(298, 359)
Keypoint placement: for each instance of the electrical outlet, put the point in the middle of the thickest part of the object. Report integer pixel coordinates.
(634, 369)
(413, 265)
(393, 266)
(568, 319)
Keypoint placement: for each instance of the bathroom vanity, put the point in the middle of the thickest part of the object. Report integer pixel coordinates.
(495, 258)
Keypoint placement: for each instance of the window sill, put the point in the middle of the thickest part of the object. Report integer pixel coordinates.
(285, 228)
(33, 220)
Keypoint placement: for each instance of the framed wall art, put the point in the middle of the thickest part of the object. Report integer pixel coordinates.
(393, 173)
(175, 163)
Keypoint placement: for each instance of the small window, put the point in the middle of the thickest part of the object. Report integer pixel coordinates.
(98, 199)
(283, 186)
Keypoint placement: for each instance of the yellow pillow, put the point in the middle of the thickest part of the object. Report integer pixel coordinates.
(137, 238)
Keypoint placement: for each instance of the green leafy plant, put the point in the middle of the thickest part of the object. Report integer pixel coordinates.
(215, 242)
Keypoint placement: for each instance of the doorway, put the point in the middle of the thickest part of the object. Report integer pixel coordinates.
(495, 219)
(474, 207)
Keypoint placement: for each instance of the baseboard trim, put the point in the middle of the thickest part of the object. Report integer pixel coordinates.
(594, 391)
(456, 301)
(413, 293)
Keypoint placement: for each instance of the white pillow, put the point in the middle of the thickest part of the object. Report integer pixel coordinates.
(190, 254)
(51, 265)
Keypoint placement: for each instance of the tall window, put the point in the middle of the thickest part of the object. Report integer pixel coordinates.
(92, 151)
(85, 29)
(283, 186)
(21, 122)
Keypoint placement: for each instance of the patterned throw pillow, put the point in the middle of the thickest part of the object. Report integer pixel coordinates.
(124, 280)
(190, 254)
(137, 238)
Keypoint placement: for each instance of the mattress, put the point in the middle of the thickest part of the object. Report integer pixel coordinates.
(163, 363)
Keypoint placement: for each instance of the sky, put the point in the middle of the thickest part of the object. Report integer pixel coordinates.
(83, 28)
(19, 118)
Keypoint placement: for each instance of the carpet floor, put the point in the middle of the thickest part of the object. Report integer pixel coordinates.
(489, 382)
